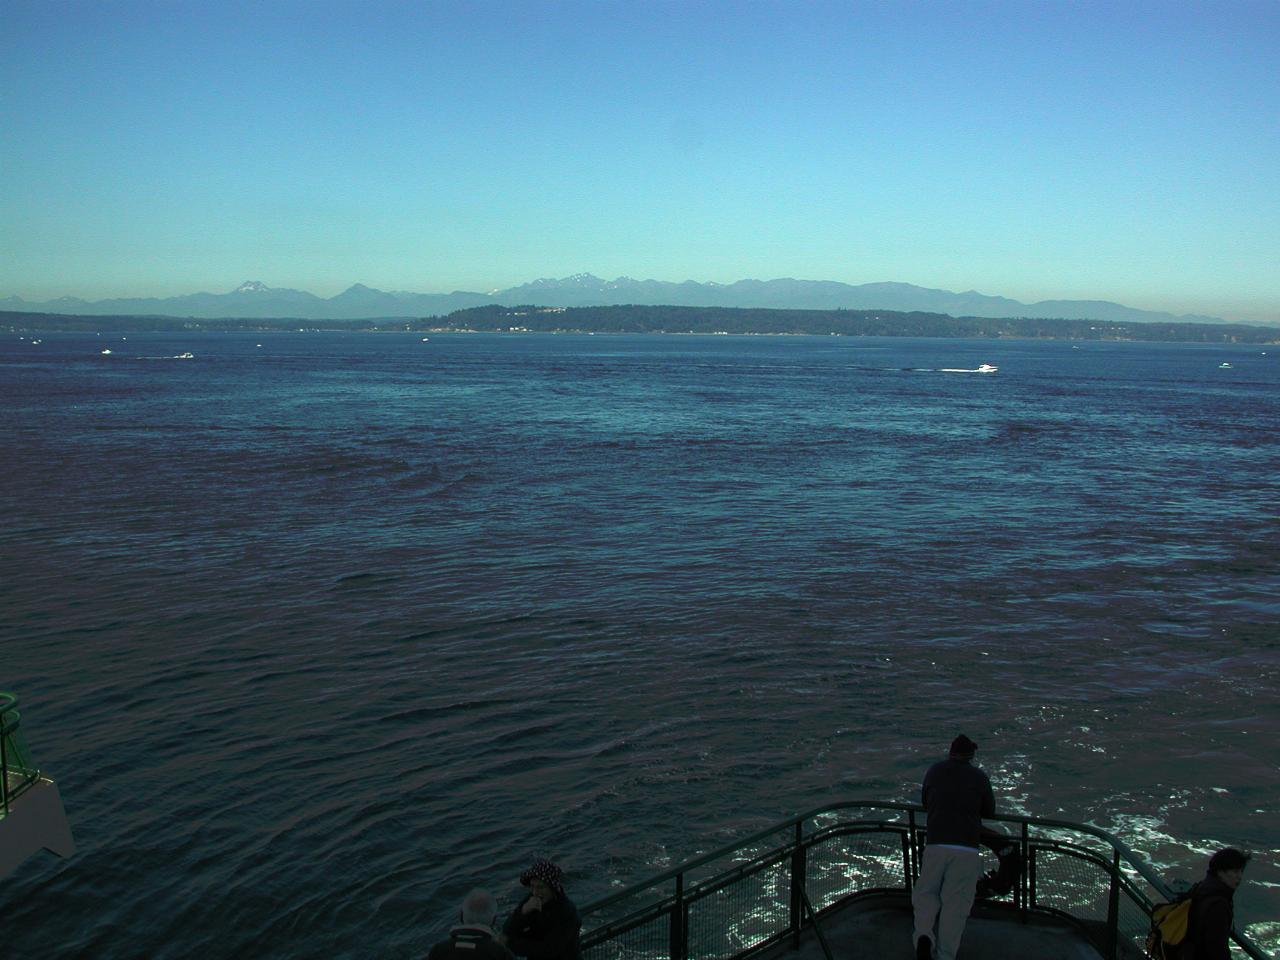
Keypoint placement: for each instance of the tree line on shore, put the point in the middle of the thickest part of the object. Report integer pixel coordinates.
(675, 319)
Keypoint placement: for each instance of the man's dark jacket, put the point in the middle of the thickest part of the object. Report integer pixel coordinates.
(469, 943)
(1212, 912)
(957, 796)
(547, 934)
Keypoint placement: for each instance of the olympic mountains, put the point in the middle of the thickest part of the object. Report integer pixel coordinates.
(255, 299)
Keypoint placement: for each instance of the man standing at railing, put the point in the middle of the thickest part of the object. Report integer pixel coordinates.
(956, 795)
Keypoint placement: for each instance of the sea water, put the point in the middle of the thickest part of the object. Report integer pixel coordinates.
(318, 631)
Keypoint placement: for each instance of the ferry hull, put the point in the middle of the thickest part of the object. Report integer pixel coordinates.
(36, 821)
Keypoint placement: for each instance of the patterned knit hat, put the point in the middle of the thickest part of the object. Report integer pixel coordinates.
(547, 872)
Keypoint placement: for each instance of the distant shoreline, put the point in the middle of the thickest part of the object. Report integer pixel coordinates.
(674, 320)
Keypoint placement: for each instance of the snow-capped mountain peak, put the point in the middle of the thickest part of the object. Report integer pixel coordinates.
(252, 286)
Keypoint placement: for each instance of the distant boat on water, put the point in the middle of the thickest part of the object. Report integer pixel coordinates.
(1224, 365)
(980, 368)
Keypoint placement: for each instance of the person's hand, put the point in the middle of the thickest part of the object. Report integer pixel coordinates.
(533, 903)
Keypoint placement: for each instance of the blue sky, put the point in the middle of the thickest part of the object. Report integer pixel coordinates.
(1037, 150)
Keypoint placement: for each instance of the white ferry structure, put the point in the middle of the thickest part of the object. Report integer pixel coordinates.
(31, 813)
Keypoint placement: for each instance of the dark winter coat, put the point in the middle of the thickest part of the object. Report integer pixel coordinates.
(1212, 913)
(547, 934)
(957, 796)
(469, 943)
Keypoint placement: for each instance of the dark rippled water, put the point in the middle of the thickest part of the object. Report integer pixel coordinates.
(317, 631)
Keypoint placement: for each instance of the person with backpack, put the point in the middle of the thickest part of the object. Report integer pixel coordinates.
(1212, 909)
(476, 938)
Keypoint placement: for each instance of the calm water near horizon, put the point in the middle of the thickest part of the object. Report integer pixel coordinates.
(318, 631)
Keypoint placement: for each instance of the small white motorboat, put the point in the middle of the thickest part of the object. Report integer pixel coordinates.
(982, 368)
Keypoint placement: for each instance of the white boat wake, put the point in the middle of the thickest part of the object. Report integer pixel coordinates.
(981, 368)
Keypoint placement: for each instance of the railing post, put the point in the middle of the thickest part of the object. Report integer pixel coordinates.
(909, 868)
(1026, 885)
(798, 870)
(1113, 906)
(1029, 881)
(4, 763)
(817, 928)
(679, 931)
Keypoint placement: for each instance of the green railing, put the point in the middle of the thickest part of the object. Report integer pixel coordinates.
(776, 883)
(17, 773)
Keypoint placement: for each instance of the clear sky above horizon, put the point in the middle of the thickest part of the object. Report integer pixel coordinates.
(1035, 150)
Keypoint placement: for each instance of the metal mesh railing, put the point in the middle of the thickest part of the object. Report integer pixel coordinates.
(731, 920)
(646, 941)
(1132, 924)
(1068, 881)
(842, 864)
(744, 896)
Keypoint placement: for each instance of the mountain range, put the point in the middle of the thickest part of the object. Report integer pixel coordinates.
(257, 300)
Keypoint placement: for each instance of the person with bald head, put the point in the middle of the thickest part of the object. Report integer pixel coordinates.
(475, 937)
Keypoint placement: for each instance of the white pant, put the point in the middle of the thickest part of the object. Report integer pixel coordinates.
(943, 895)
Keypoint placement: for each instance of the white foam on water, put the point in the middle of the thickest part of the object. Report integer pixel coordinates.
(1008, 780)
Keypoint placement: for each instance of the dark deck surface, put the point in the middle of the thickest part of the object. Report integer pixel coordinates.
(879, 928)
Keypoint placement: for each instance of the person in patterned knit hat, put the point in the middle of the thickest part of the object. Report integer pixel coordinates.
(546, 925)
